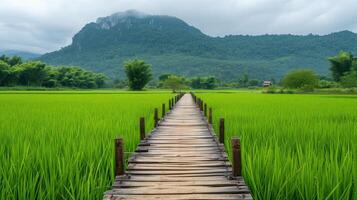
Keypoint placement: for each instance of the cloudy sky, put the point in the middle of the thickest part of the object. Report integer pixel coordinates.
(47, 25)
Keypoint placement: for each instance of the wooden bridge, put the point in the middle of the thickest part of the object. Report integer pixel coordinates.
(180, 159)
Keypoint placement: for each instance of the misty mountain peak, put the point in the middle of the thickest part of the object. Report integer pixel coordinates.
(120, 17)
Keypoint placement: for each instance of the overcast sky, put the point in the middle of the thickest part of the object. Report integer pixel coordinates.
(47, 25)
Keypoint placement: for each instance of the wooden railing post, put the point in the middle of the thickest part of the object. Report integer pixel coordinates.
(210, 115)
(205, 110)
(237, 159)
(221, 130)
(169, 104)
(163, 110)
(201, 106)
(156, 117)
(119, 157)
(142, 128)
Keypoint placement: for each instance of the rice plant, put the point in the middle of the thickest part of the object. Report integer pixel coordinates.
(59, 145)
(293, 146)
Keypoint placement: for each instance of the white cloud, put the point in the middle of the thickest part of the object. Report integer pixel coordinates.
(47, 25)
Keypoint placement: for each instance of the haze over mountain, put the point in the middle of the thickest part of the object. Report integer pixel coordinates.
(173, 46)
(23, 54)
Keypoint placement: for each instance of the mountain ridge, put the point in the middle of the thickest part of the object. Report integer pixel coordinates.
(173, 46)
(23, 54)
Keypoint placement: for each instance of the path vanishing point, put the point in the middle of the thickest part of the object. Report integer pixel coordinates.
(180, 159)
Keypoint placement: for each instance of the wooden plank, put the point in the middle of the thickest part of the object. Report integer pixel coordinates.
(180, 159)
(180, 190)
(211, 183)
(181, 197)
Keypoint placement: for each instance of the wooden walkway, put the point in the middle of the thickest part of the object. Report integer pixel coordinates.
(180, 159)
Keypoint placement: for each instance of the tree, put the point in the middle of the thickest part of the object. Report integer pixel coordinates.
(300, 79)
(163, 77)
(196, 83)
(138, 74)
(210, 82)
(100, 79)
(174, 82)
(15, 60)
(342, 63)
(31, 73)
(349, 80)
(254, 82)
(4, 72)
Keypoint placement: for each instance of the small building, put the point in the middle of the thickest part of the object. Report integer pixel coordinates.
(267, 83)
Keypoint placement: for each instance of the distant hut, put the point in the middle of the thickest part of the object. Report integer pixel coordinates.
(267, 83)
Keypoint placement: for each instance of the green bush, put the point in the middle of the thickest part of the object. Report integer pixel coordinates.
(305, 80)
(349, 80)
(138, 73)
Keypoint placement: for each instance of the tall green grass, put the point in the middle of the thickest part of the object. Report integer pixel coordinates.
(60, 146)
(293, 146)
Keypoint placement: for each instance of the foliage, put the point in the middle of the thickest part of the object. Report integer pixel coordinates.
(174, 82)
(30, 73)
(342, 63)
(349, 80)
(174, 47)
(33, 73)
(209, 82)
(293, 146)
(163, 77)
(138, 73)
(254, 82)
(59, 145)
(327, 84)
(300, 79)
(121, 83)
(12, 61)
(4, 72)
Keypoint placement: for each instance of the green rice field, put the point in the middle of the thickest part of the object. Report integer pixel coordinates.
(293, 146)
(59, 145)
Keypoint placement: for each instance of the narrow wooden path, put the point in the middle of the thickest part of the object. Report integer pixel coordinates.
(180, 159)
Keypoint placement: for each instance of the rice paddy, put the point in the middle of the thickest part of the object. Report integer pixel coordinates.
(293, 146)
(59, 145)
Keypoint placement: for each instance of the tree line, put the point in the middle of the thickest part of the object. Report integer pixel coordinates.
(343, 69)
(16, 72)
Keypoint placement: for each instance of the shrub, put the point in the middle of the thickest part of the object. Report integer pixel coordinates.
(301, 79)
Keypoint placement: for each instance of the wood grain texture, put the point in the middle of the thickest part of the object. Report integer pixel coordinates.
(181, 159)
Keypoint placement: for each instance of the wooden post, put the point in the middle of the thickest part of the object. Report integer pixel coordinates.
(172, 102)
(237, 159)
(205, 109)
(142, 128)
(221, 130)
(119, 157)
(163, 110)
(156, 117)
(210, 115)
(201, 106)
(169, 104)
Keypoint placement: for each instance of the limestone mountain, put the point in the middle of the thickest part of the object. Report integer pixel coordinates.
(173, 46)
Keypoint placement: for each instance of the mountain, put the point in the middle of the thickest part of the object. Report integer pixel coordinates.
(173, 46)
(25, 55)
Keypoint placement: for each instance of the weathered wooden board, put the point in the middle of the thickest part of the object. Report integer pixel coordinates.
(181, 159)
